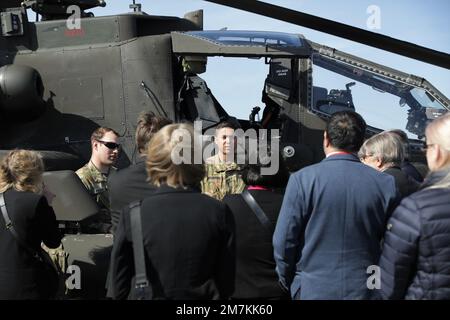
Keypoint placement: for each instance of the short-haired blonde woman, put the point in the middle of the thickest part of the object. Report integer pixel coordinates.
(385, 152)
(188, 236)
(33, 220)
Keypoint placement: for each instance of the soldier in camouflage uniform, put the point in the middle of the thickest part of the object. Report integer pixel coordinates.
(223, 176)
(96, 183)
(94, 175)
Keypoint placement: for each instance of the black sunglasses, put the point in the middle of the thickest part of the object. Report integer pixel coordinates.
(110, 145)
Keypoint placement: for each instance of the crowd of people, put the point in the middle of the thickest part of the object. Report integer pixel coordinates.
(221, 230)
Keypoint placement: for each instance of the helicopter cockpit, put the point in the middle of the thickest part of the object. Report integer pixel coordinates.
(196, 99)
(335, 100)
(396, 100)
(306, 83)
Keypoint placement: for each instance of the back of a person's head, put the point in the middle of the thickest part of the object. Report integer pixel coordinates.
(438, 131)
(253, 176)
(400, 133)
(21, 170)
(385, 146)
(170, 157)
(404, 140)
(147, 125)
(346, 130)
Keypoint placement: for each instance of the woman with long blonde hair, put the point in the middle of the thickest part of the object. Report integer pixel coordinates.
(188, 237)
(26, 211)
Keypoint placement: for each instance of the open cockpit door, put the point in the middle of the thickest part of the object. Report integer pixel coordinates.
(385, 97)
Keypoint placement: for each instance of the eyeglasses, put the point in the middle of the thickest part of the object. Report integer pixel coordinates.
(425, 146)
(110, 145)
(364, 157)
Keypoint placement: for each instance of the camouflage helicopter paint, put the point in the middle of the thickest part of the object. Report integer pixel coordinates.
(58, 84)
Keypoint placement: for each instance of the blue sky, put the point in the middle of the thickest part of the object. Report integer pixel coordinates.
(237, 83)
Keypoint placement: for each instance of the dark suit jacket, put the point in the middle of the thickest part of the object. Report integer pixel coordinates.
(410, 170)
(189, 247)
(330, 226)
(255, 266)
(125, 186)
(34, 221)
(405, 184)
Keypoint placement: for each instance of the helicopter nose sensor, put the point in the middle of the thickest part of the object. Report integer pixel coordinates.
(21, 92)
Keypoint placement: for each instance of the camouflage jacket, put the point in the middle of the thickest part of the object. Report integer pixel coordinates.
(222, 179)
(96, 183)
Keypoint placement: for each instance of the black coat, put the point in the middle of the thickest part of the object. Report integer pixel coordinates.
(415, 263)
(34, 221)
(410, 170)
(255, 266)
(406, 185)
(125, 186)
(189, 247)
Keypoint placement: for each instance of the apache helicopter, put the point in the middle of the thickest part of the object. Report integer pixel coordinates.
(59, 81)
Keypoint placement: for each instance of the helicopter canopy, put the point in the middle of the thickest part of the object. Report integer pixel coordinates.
(240, 43)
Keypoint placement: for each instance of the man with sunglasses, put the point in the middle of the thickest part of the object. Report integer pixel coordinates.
(94, 174)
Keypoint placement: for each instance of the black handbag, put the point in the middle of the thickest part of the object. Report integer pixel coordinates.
(48, 279)
(142, 288)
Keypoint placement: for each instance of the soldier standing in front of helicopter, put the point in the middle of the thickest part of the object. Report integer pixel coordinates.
(94, 175)
(223, 176)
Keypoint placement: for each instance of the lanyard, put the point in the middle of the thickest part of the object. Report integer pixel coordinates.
(257, 188)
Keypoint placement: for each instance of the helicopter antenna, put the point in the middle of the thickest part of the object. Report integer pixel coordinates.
(137, 7)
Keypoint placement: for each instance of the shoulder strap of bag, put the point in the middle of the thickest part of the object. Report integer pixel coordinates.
(10, 227)
(259, 212)
(141, 280)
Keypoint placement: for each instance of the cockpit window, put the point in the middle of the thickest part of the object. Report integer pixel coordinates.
(425, 99)
(250, 38)
(240, 44)
(385, 103)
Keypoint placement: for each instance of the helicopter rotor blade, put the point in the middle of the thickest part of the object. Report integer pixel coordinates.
(342, 30)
